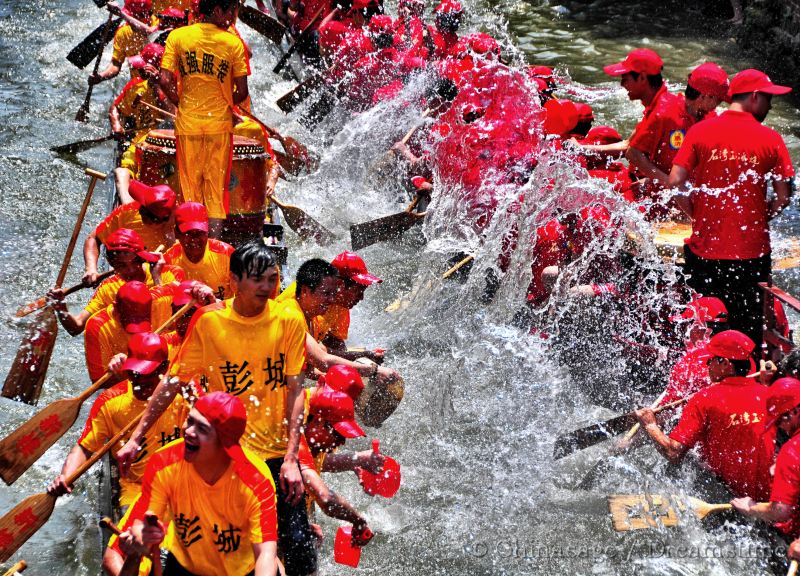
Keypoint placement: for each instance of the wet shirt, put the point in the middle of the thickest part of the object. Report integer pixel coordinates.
(213, 269)
(661, 132)
(205, 59)
(689, 374)
(249, 357)
(335, 322)
(786, 484)
(103, 338)
(111, 411)
(128, 216)
(726, 421)
(131, 104)
(215, 525)
(127, 42)
(729, 159)
(107, 290)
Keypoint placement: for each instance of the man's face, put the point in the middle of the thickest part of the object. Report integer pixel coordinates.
(201, 441)
(761, 105)
(256, 290)
(127, 264)
(319, 300)
(321, 436)
(155, 215)
(150, 72)
(634, 84)
(790, 421)
(350, 293)
(193, 242)
(144, 384)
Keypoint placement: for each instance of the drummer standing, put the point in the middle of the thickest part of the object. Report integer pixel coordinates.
(213, 70)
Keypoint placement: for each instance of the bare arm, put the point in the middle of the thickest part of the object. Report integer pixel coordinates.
(110, 72)
(290, 478)
(608, 151)
(669, 448)
(134, 23)
(783, 196)
(266, 554)
(677, 180)
(321, 359)
(240, 90)
(349, 461)
(115, 120)
(77, 456)
(645, 166)
(331, 503)
(169, 85)
(769, 512)
(91, 253)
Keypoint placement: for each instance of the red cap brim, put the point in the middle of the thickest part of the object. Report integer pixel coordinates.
(366, 279)
(775, 89)
(137, 326)
(151, 257)
(349, 429)
(617, 69)
(194, 225)
(140, 366)
(137, 62)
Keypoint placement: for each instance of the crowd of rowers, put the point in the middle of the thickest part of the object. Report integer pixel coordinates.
(247, 351)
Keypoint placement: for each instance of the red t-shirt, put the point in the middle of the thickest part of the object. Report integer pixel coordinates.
(786, 484)
(689, 374)
(727, 421)
(731, 157)
(660, 133)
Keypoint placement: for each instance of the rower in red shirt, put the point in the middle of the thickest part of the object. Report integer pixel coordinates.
(377, 68)
(442, 37)
(730, 161)
(409, 28)
(727, 421)
(783, 508)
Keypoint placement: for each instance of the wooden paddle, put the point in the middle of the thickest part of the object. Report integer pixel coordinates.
(23, 311)
(389, 158)
(87, 50)
(25, 445)
(299, 93)
(83, 111)
(303, 224)
(793, 568)
(568, 443)
(16, 568)
(27, 373)
(298, 41)
(262, 23)
(643, 511)
(21, 522)
(386, 228)
(132, 568)
(81, 145)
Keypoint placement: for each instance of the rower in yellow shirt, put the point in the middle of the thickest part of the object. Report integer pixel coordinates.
(204, 259)
(220, 496)
(128, 41)
(253, 348)
(204, 73)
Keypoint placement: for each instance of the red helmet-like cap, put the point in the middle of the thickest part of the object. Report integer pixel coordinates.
(191, 216)
(381, 24)
(585, 112)
(731, 344)
(337, 409)
(709, 78)
(351, 266)
(752, 80)
(160, 199)
(182, 293)
(227, 415)
(138, 7)
(134, 304)
(127, 240)
(641, 61)
(345, 379)
(782, 396)
(146, 352)
(602, 135)
(150, 54)
(704, 309)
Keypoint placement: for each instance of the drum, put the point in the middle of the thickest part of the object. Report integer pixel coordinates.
(247, 186)
(378, 401)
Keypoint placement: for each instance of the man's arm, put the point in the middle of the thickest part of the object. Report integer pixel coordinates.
(331, 503)
(677, 181)
(671, 449)
(608, 151)
(169, 86)
(783, 196)
(347, 461)
(134, 23)
(290, 478)
(91, 253)
(110, 72)
(770, 512)
(321, 359)
(162, 397)
(266, 554)
(645, 166)
(240, 90)
(77, 456)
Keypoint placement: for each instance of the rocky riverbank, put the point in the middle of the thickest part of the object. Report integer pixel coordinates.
(771, 32)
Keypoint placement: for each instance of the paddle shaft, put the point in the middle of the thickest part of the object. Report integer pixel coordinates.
(16, 568)
(42, 302)
(458, 267)
(300, 38)
(108, 524)
(635, 428)
(83, 111)
(793, 568)
(76, 230)
(160, 110)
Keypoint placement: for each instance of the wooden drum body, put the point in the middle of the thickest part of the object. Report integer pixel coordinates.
(247, 186)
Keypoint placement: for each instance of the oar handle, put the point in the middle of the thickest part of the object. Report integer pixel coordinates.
(108, 524)
(101, 452)
(793, 568)
(42, 302)
(458, 267)
(76, 230)
(83, 111)
(16, 568)
(376, 446)
(160, 110)
(635, 428)
(300, 38)
(410, 133)
(712, 508)
(104, 378)
(672, 404)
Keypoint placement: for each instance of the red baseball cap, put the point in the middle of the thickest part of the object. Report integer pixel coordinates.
(704, 309)
(449, 7)
(150, 54)
(227, 415)
(138, 7)
(782, 396)
(182, 293)
(336, 408)
(602, 135)
(641, 61)
(191, 216)
(482, 43)
(134, 305)
(352, 267)
(381, 24)
(731, 344)
(585, 112)
(159, 199)
(146, 352)
(419, 181)
(709, 78)
(127, 240)
(345, 379)
(364, 4)
(752, 80)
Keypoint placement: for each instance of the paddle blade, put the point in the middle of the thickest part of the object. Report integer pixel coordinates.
(22, 521)
(27, 373)
(25, 445)
(296, 96)
(31, 307)
(262, 23)
(87, 50)
(80, 146)
(386, 228)
(305, 226)
(640, 512)
(591, 435)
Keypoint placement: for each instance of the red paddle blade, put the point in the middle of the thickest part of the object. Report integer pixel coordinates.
(343, 550)
(386, 483)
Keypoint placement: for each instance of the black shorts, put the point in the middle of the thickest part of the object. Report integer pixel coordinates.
(295, 539)
(174, 568)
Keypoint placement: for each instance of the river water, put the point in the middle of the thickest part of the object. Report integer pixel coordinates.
(484, 401)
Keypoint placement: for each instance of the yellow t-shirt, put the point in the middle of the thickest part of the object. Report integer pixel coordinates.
(250, 358)
(206, 59)
(111, 411)
(129, 104)
(103, 338)
(215, 526)
(127, 42)
(213, 270)
(335, 322)
(105, 294)
(288, 299)
(128, 216)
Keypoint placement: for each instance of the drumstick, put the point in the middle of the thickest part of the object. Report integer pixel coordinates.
(160, 110)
